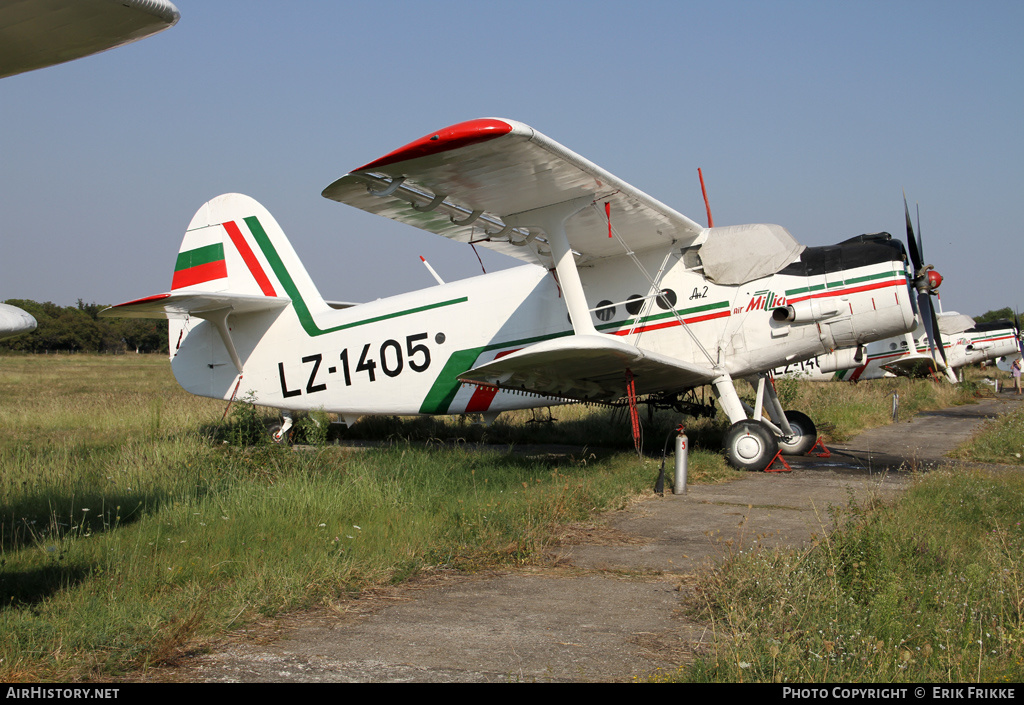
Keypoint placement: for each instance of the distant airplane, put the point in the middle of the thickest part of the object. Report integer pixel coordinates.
(1006, 361)
(14, 321)
(963, 342)
(39, 33)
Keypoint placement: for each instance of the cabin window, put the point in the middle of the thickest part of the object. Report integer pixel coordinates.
(634, 304)
(666, 299)
(605, 310)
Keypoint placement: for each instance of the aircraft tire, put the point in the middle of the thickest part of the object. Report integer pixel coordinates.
(276, 437)
(806, 434)
(750, 445)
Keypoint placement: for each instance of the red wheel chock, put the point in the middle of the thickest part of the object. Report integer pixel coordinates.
(778, 456)
(823, 453)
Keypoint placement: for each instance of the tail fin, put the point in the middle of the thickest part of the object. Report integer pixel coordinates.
(233, 245)
(234, 259)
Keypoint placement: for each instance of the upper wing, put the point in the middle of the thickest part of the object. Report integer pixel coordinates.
(587, 367)
(462, 181)
(38, 33)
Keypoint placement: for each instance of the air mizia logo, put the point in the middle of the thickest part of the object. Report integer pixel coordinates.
(765, 300)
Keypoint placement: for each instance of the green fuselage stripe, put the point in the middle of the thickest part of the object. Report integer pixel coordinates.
(845, 282)
(299, 304)
(446, 386)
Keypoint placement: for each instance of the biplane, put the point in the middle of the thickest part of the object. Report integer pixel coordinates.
(619, 299)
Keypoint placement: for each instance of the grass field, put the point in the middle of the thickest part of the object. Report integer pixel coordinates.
(929, 589)
(133, 528)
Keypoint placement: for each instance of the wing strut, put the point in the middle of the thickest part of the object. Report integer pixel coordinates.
(551, 219)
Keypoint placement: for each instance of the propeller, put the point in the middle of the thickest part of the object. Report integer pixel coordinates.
(926, 281)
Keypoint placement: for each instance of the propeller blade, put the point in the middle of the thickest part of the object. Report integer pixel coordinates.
(912, 243)
(926, 320)
(920, 236)
(937, 340)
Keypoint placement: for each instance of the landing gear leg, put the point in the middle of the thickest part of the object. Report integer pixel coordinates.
(795, 430)
(750, 444)
(279, 432)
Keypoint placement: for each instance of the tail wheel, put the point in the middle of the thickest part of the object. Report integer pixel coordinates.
(278, 434)
(750, 445)
(805, 435)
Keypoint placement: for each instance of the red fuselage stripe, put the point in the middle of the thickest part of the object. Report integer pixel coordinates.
(481, 399)
(674, 322)
(851, 290)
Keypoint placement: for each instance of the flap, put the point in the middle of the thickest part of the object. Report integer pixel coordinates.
(460, 182)
(587, 367)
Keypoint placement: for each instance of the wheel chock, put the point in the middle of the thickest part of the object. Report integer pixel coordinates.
(778, 456)
(823, 453)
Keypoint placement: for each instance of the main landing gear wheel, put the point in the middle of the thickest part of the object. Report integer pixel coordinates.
(805, 435)
(750, 445)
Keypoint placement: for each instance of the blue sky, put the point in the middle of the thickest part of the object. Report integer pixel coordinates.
(813, 115)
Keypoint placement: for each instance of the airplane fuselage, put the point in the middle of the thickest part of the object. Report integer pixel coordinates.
(403, 354)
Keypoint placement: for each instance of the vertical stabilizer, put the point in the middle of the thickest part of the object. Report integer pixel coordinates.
(234, 245)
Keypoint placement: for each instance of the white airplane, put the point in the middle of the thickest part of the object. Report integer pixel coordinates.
(39, 33)
(15, 321)
(963, 342)
(621, 297)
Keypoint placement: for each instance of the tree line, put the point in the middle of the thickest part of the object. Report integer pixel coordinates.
(79, 329)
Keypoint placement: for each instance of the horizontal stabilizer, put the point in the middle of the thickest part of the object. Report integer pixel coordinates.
(194, 304)
(586, 367)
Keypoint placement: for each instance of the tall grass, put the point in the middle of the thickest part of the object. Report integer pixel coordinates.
(928, 590)
(1000, 440)
(134, 527)
(131, 532)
